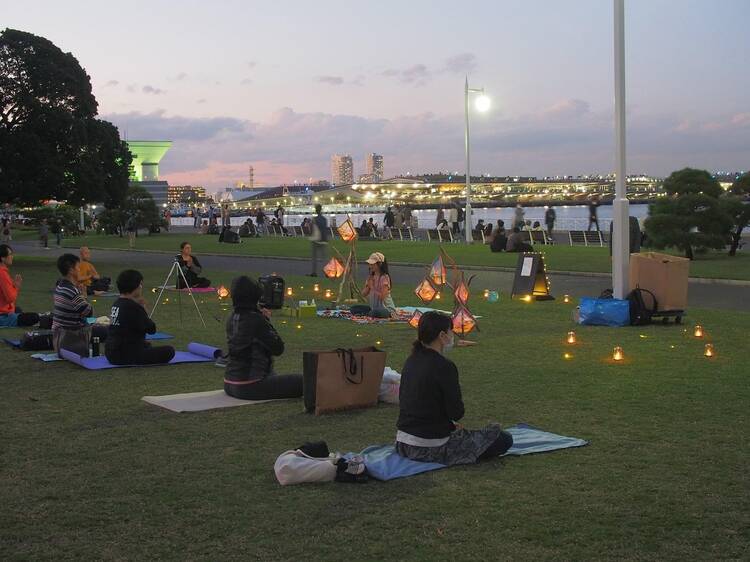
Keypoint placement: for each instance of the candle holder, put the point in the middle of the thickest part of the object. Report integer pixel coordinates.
(571, 337)
(328, 294)
(316, 288)
(566, 299)
(709, 350)
(289, 292)
(487, 293)
(698, 331)
(617, 354)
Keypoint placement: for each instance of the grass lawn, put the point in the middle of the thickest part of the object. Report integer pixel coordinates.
(559, 258)
(91, 472)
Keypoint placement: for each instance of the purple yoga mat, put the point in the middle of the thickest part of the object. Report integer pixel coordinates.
(196, 353)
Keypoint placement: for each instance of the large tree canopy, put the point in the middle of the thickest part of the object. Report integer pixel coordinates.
(51, 144)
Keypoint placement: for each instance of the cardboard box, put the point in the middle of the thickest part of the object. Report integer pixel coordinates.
(664, 275)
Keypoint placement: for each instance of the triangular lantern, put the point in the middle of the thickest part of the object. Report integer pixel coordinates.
(438, 274)
(461, 292)
(347, 231)
(415, 318)
(426, 291)
(334, 268)
(463, 321)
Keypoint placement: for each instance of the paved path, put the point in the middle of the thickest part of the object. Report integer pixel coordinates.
(700, 293)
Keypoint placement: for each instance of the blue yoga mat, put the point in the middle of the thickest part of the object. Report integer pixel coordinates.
(384, 463)
(196, 353)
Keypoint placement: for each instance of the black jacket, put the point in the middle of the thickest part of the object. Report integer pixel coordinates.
(430, 396)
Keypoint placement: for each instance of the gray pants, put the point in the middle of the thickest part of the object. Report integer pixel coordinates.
(318, 253)
(75, 340)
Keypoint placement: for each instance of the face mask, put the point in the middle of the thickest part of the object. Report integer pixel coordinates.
(448, 346)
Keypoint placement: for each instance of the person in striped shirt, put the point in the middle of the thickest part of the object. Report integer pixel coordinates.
(69, 328)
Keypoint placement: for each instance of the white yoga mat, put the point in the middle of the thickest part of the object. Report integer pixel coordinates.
(198, 401)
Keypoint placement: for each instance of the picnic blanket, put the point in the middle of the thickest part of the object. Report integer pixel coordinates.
(196, 353)
(384, 463)
(403, 314)
(199, 401)
(174, 289)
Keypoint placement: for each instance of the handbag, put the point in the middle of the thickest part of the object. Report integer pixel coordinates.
(342, 379)
(604, 312)
(295, 467)
(37, 340)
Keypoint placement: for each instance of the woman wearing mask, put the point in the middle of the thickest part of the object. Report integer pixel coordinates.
(378, 287)
(430, 404)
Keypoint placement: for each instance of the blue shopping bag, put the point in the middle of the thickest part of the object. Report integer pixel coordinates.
(604, 312)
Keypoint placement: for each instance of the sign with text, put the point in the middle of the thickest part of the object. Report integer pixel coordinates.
(531, 277)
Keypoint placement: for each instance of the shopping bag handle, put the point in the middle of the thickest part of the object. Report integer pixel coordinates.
(351, 372)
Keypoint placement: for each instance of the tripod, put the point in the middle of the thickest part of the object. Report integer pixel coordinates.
(178, 273)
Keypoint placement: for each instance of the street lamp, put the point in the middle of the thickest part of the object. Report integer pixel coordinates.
(482, 104)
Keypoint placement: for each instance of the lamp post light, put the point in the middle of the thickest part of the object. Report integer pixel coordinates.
(482, 104)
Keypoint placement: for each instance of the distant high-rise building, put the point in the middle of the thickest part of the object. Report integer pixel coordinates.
(251, 178)
(374, 166)
(342, 169)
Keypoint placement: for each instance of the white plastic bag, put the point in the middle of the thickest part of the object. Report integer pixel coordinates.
(390, 386)
(295, 467)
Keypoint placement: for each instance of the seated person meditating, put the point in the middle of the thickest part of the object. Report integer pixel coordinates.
(69, 328)
(89, 276)
(430, 404)
(252, 343)
(499, 238)
(377, 288)
(191, 267)
(129, 323)
(10, 314)
(516, 242)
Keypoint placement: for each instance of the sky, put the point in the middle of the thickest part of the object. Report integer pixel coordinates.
(284, 85)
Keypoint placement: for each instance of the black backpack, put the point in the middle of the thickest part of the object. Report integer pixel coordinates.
(37, 340)
(640, 312)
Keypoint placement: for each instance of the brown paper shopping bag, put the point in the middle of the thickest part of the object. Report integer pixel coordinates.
(342, 379)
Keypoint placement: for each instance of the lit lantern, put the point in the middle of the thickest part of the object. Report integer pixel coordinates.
(415, 318)
(347, 231)
(617, 354)
(328, 293)
(566, 299)
(462, 291)
(438, 297)
(426, 291)
(526, 298)
(438, 274)
(698, 333)
(708, 351)
(571, 338)
(463, 321)
(567, 356)
(316, 288)
(334, 268)
(289, 292)
(487, 293)
(223, 292)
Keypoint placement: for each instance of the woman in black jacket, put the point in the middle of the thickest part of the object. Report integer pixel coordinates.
(191, 268)
(253, 342)
(430, 404)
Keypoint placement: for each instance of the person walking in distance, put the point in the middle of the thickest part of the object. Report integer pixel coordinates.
(594, 213)
(549, 219)
(319, 239)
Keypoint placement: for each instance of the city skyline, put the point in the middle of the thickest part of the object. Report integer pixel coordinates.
(227, 100)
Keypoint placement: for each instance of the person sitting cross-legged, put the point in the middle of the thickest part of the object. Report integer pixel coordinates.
(88, 275)
(430, 404)
(191, 268)
(10, 314)
(69, 328)
(252, 343)
(129, 323)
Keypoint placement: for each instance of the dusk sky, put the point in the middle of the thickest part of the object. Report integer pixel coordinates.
(283, 85)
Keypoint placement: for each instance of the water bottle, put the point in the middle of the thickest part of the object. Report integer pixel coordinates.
(95, 347)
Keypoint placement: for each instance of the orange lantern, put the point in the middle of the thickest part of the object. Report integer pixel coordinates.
(415, 318)
(426, 291)
(698, 333)
(328, 293)
(566, 299)
(462, 291)
(463, 321)
(316, 288)
(334, 268)
(289, 292)
(487, 293)
(571, 337)
(347, 231)
(223, 292)
(617, 354)
(438, 274)
(708, 351)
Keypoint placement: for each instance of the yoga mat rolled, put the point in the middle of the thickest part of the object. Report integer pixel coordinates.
(204, 350)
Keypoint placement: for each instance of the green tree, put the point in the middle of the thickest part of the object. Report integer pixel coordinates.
(51, 144)
(736, 204)
(691, 216)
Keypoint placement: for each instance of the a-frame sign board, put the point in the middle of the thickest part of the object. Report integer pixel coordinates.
(531, 277)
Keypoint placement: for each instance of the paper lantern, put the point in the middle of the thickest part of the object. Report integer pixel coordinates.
(333, 269)
(328, 293)
(426, 291)
(487, 293)
(415, 318)
(347, 231)
(316, 288)
(566, 299)
(617, 354)
(709, 351)
(223, 292)
(438, 274)
(289, 292)
(571, 338)
(463, 321)
(698, 333)
(462, 291)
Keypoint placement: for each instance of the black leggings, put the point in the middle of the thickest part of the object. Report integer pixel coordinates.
(499, 447)
(269, 388)
(195, 283)
(146, 355)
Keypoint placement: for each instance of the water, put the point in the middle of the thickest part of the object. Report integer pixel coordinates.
(569, 217)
